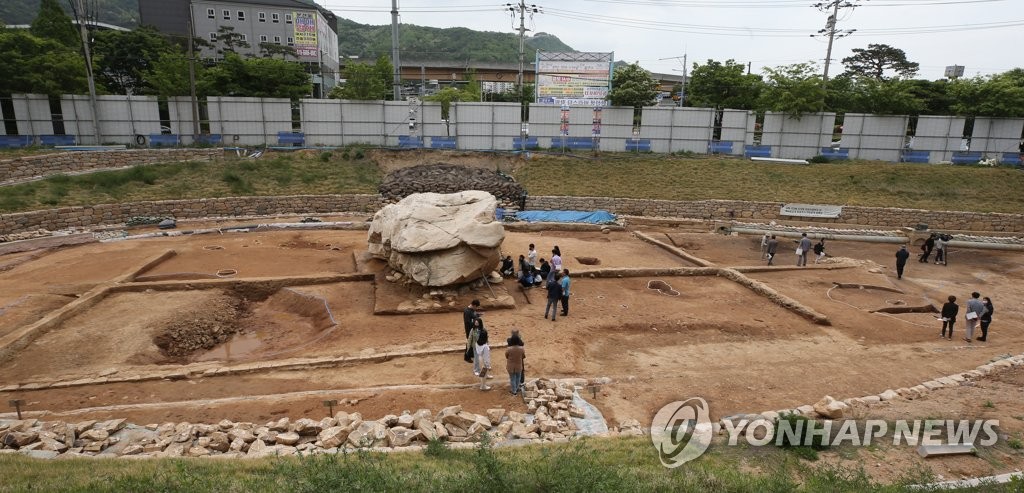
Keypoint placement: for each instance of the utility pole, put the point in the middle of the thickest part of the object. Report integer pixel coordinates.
(832, 8)
(682, 86)
(192, 73)
(521, 8)
(84, 33)
(397, 84)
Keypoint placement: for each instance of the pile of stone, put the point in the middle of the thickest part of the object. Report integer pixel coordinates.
(450, 178)
(25, 235)
(551, 403)
(829, 408)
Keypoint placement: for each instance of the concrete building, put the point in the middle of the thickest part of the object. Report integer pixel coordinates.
(309, 28)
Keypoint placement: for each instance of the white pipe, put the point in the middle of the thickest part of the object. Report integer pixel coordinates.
(1012, 247)
(798, 234)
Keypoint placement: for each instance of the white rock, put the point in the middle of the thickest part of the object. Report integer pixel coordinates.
(439, 239)
(830, 408)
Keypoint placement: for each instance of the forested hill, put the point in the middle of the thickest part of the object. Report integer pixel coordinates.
(432, 43)
(362, 40)
(118, 12)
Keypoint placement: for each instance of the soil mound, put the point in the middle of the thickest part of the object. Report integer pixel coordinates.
(450, 178)
(212, 324)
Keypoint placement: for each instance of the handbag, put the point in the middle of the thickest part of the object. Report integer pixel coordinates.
(972, 316)
(799, 251)
(469, 355)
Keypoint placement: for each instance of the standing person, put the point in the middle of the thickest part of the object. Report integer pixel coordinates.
(949, 311)
(515, 359)
(819, 250)
(554, 287)
(773, 245)
(901, 261)
(801, 251)
(764, 246)
(940, 250)
(926, 248)
(483, 356)
(474, 334)
(531, 256)
(986, 319)
(470, 314)
(556, 260)
(565, 292)
(975, 309)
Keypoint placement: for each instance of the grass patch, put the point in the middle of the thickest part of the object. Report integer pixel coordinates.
(853, 183)
(625, 465)
(273, 175)
(666, 177)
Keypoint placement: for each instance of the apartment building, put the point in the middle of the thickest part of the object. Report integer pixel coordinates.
(309, 28)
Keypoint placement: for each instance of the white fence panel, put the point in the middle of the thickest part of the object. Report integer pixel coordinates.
(692, 130)
(996, 136)
(940, 135)
(797, 138)
(179, 111)
(475, 126)
(738, 128)
(874, 137)
(362, 122)
(616, 127)
(33, 113)
(321, 122)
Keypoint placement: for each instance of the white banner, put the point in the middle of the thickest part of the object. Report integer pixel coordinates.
(810, 210)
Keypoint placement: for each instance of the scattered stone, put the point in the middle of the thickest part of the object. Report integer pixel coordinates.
(495, 415)
(288, 438)
(830, 408)
(888, 395)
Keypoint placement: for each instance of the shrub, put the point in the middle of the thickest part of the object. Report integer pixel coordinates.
(819, 159)
(326, 156)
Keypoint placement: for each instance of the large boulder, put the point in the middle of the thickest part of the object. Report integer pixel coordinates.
(439, 239)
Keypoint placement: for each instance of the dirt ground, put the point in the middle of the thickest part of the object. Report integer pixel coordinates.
(714, 338)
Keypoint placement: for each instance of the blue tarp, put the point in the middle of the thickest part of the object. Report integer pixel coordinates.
(592, 217)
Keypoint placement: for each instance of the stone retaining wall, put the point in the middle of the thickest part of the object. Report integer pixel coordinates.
(767, 211)
(23, 168)
(87, 216)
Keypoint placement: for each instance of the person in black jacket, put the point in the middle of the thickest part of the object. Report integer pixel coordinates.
(926, 249)
(901, 261)
(554, 287)
(469, 314)
(949, 311)
(986, 318)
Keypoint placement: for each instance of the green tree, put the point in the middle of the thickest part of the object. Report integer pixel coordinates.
(30, 64)
(53, 23)
(793, 89)
(228, 41)
(633, 86)
(362, 82)
(385, 71)
(877, 59)
(270, 78)
(1000, 95)
(718, 85)
(123, 58)
(934, 95)
(168, 76)
(255, 77)
(888, 97)
(272, 50)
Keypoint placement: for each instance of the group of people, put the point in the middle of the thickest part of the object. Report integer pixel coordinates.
(552, 275)
(979, 310)
(938, 243)
(770, 245)
(478, 350)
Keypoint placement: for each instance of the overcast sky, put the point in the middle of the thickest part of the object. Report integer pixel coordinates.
(983, 35)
